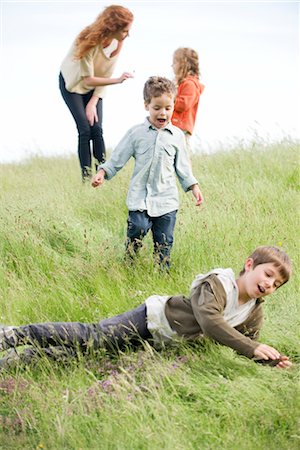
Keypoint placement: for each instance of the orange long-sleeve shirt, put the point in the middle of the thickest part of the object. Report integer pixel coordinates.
(186, 104)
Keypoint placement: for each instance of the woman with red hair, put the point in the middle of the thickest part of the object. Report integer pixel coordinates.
(85, 71)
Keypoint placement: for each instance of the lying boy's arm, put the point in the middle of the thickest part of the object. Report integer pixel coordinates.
(208, 307)
(208, 313)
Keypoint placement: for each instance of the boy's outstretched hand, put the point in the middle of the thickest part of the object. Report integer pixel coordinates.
(98, 179)
(197, 194)
(266, 353)
(284, 362)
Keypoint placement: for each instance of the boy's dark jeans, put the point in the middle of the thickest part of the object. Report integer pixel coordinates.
(162, 227)
(86, 133)
(112, 334)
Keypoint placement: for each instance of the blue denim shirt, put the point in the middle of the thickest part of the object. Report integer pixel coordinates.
(159, 154)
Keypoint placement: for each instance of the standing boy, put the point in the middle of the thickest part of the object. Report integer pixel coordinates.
(220, 307)
(158, 148)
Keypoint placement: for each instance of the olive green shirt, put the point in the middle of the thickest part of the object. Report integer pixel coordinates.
(202, 315)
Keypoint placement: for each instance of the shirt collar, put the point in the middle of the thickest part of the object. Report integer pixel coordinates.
(169, 127)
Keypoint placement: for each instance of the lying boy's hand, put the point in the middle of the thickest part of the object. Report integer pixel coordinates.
(284, 362)
(98, 179)
(264, 351)
(266, 354)
(197, 194)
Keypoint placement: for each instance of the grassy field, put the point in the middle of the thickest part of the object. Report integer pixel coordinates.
(62, 259)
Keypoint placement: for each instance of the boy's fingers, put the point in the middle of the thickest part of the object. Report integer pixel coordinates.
(97, 181)
(199, 199)
(272, 355)
(266, 352)
(284, 364)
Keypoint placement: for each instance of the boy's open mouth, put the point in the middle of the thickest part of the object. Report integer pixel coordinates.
(161, 120)
(261, 289)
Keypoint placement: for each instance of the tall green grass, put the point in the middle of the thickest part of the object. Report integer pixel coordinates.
(62, 259)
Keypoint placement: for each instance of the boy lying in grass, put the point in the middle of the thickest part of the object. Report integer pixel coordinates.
(220, 307)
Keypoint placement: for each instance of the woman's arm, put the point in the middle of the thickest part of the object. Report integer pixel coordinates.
(91, 110)
(101, 81)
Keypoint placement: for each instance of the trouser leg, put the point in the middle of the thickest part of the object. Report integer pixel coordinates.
(127, 328)
(97, 136)
(31, 355)
(138, 225)
(76, 104)
(115, 332)
(64, 334)
(163, 236)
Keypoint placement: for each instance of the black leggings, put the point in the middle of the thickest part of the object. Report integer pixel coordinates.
(86, 133)
(129, 328)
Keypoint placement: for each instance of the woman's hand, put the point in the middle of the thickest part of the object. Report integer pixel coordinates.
(91, 111)
(125, 76)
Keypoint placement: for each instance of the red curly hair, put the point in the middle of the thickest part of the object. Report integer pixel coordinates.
(113, 19)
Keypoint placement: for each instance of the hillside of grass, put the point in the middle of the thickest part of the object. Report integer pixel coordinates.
(62, 259)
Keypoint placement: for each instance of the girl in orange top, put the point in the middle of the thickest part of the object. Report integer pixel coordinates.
(186, 69)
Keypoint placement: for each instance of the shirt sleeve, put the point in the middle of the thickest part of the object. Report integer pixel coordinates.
(99, 91)
(252, 326)
(88, 69)
(187, 97)
(119, 157)
(208, 308)
(183, 166)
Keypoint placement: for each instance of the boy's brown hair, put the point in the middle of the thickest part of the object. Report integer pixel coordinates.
(269, 254)
(157, 86)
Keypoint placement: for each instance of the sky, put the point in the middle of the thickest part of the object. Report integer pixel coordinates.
(249, 62)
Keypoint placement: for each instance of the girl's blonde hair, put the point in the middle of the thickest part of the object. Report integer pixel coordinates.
(188, 63)
(113, 19)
